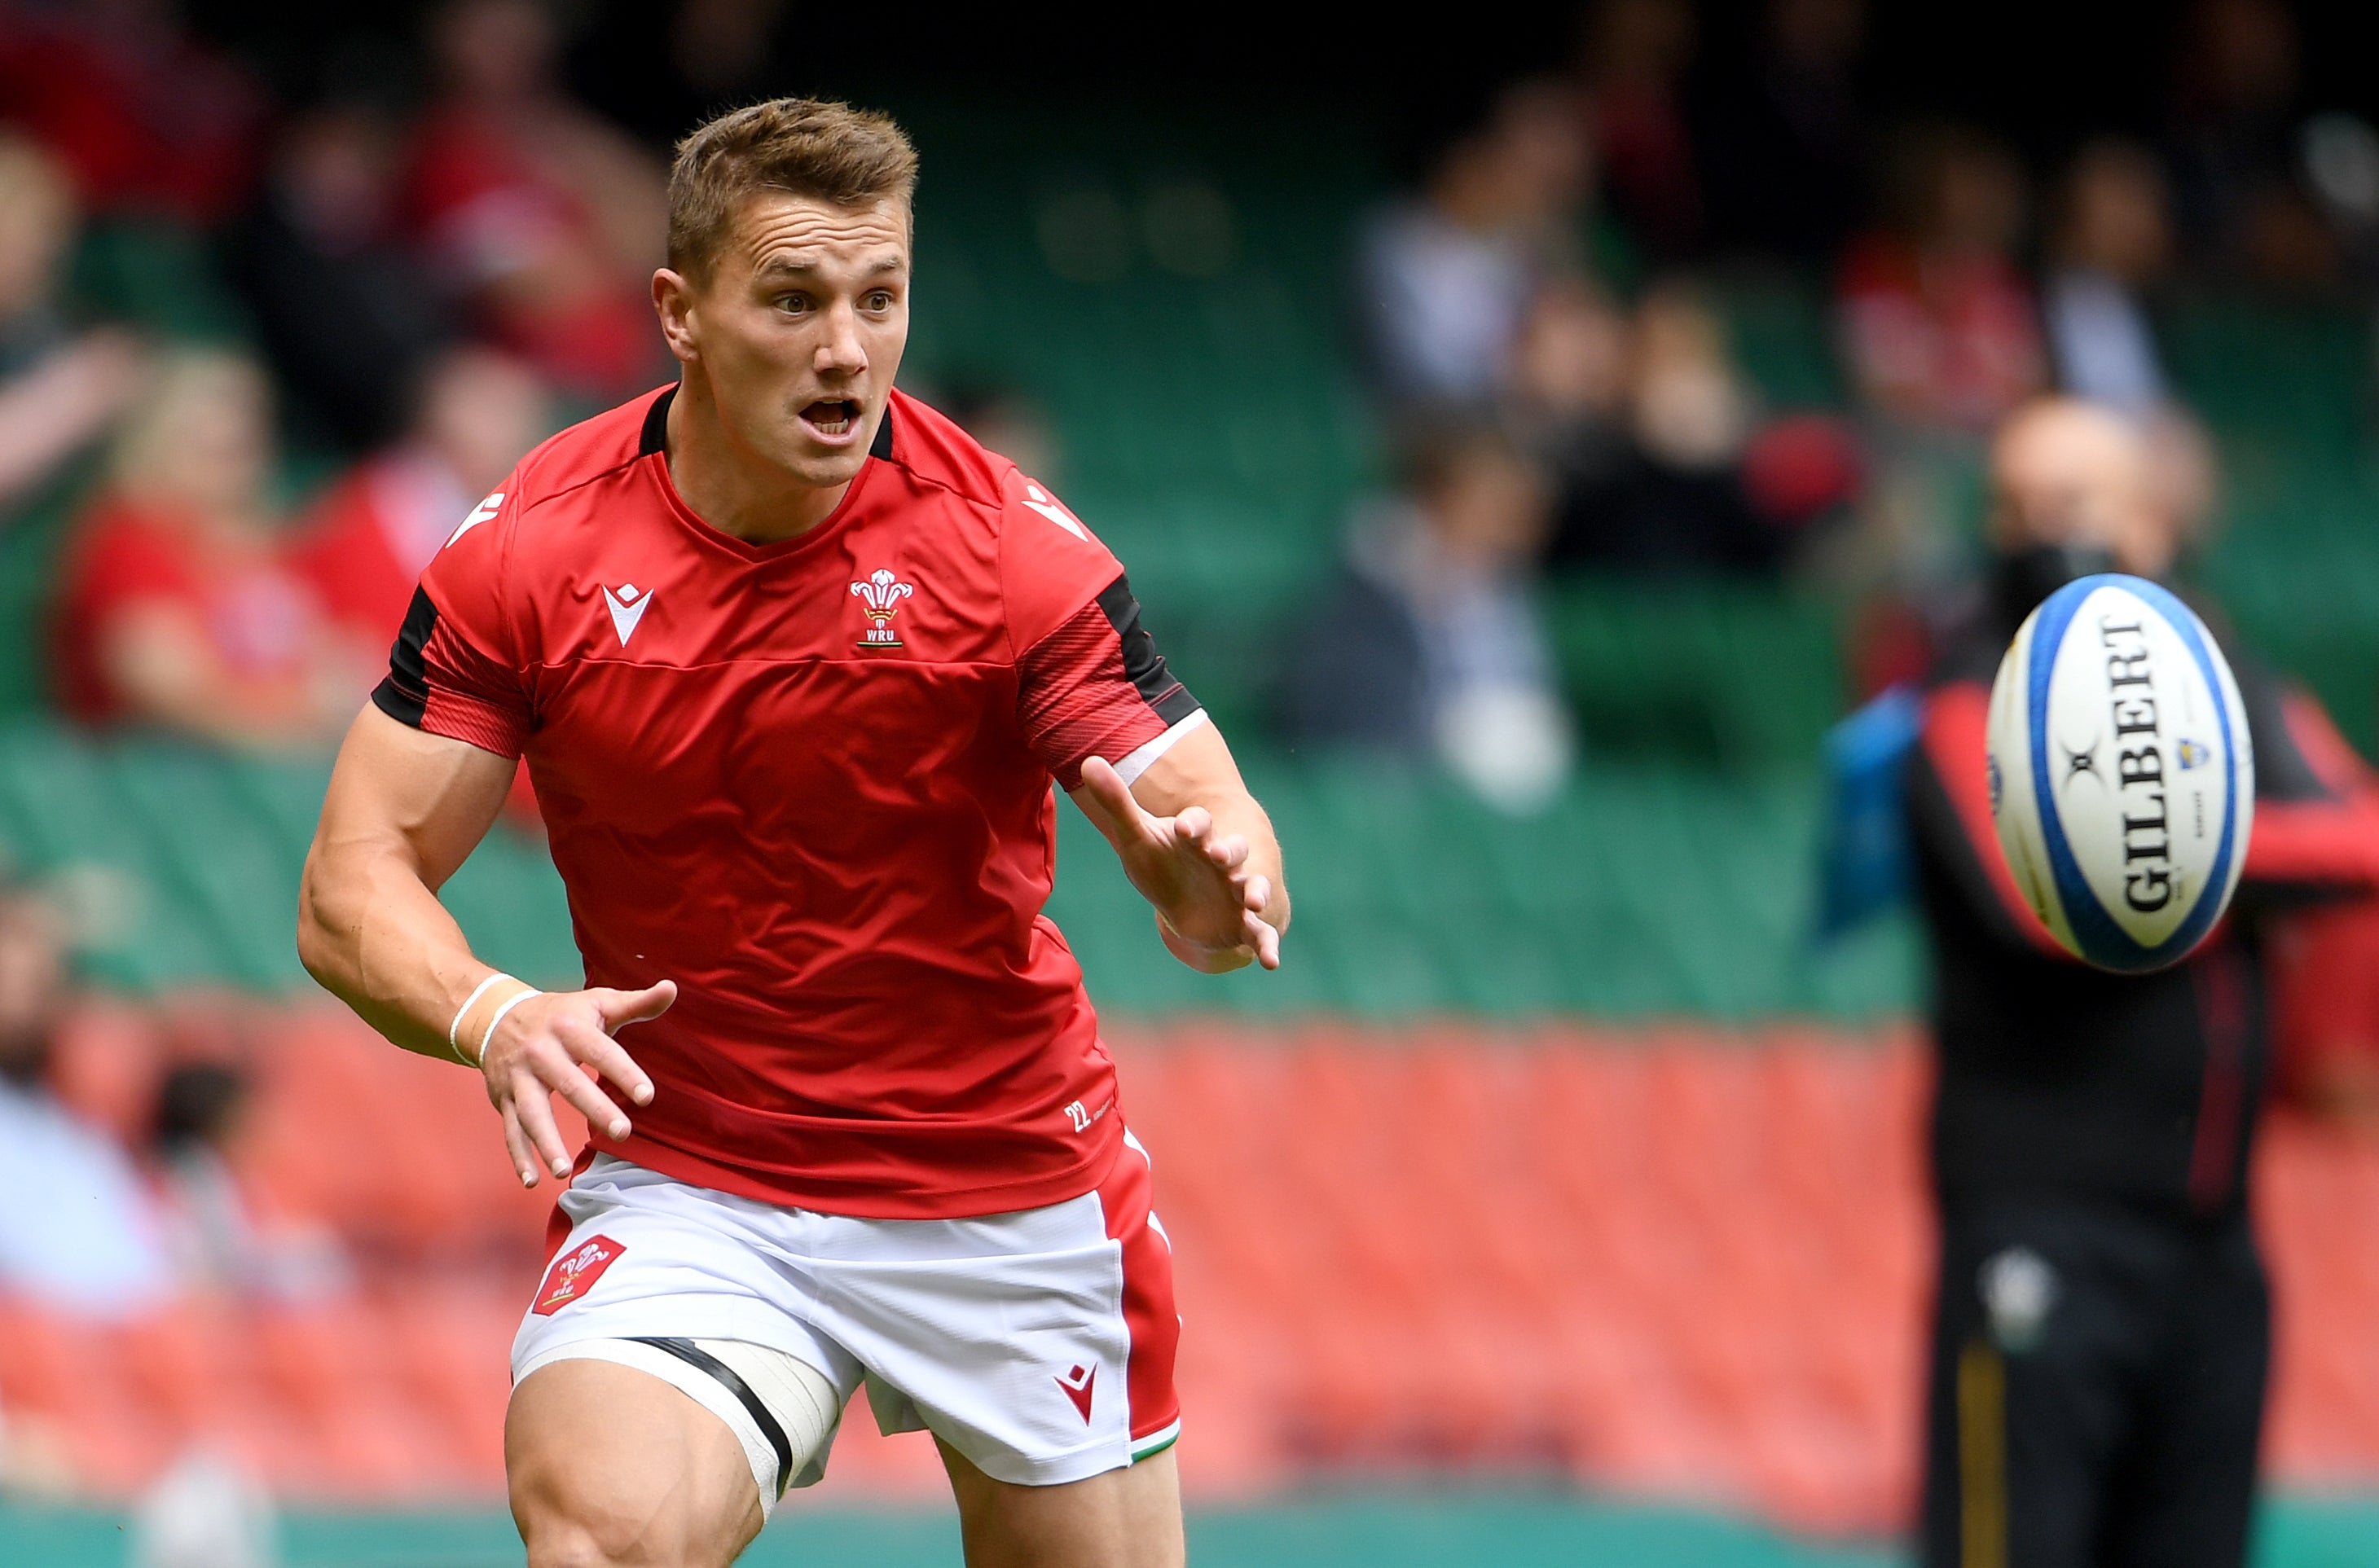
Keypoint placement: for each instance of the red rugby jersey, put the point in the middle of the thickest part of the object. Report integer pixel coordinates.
(809, 780)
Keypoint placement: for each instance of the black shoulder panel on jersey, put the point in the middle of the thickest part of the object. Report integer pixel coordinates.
(403, 693)
(882, 445)
(1141, 663)
(655, 435)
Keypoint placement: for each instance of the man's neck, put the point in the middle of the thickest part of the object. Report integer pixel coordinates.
(732, 487)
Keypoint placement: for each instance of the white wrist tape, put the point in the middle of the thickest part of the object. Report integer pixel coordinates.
(510, 1003)
(455, 1029)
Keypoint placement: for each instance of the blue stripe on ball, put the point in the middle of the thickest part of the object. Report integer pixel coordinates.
(2100, 939)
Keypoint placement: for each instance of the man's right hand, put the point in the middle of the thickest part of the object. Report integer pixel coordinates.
(561, 1044)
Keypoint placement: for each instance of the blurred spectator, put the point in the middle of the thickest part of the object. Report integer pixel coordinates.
(1689, 488)
(1937, 320)
(1448, 279)
(59, 389)
(148, 119)
(204, 1512)
(2235, 94)
(218, 1241)
(2102, 1328)
(174, 610)
(1783, 145)
(1432, 642)
(1632, 58)
(547, 221)
(477, 413)
(1010, 423)
(346, 312)
(2110, 246)
(78, 1230)
(2111, 243)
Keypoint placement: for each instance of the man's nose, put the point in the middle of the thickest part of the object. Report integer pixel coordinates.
(840, 350)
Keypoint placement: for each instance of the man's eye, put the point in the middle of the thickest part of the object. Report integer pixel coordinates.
(879, 300)
(795, 303)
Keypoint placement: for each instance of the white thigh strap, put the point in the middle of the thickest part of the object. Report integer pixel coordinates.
(804, 1402)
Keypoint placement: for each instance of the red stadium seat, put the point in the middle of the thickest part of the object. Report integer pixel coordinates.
(1670, 1262)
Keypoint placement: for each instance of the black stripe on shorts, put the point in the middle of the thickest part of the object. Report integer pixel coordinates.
(695, 1356)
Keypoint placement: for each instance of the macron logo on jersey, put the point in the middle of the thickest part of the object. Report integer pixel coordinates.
(479, 514)
(1044, 503)
(627, 604)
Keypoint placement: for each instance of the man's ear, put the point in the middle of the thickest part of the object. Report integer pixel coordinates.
(673, 302)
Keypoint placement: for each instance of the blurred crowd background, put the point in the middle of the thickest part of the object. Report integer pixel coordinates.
(1528, 442)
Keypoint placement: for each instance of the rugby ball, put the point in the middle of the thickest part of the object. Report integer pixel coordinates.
(2122, 775)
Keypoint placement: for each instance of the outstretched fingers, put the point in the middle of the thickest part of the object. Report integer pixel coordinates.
(589, 1046)
(535, 1113)
(516, 1144)
(617, 1009)
(1264, 939)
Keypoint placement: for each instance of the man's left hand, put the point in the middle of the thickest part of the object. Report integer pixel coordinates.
(1209, 906)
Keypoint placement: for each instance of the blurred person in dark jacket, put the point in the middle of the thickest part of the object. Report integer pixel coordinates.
(1633, 56)
(2244, 208)
(347, 312)
(2102, 1325)
(60, 387)
(1447, 278)
(1431, 642)
(1783, 138)
(1694, 482)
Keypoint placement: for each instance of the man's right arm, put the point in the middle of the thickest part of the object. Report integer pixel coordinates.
(405, 807)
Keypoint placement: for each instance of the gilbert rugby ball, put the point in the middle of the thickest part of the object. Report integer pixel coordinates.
(2123, 778)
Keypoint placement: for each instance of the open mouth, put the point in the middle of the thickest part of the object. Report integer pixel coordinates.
(832, 419)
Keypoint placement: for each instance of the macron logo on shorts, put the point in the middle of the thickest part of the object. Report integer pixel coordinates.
(574, 1273)
(1078, 1385)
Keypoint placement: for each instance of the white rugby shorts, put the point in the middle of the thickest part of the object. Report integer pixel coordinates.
(1038, 1343)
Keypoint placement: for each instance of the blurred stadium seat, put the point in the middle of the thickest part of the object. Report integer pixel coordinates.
(1677, 1261)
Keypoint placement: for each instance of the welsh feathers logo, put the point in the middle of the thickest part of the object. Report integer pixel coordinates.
(574, 1273)
(879, 595)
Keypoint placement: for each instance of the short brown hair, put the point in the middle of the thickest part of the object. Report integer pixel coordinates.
(811, 146)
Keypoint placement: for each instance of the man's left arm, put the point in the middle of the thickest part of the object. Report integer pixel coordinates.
(1199, 848)
(1097, 703)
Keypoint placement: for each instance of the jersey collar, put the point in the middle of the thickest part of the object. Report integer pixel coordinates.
(653, 442)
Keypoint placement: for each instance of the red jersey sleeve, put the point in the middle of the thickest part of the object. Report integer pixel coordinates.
(456, 669)
(1090, 682)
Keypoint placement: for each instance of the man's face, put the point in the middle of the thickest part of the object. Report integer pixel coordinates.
(800, 329)
(2067, 474)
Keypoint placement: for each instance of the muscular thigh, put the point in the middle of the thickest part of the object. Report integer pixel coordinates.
(1123, 1518)
(609, 1466)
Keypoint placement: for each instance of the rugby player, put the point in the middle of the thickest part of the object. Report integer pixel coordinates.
(793, 662)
